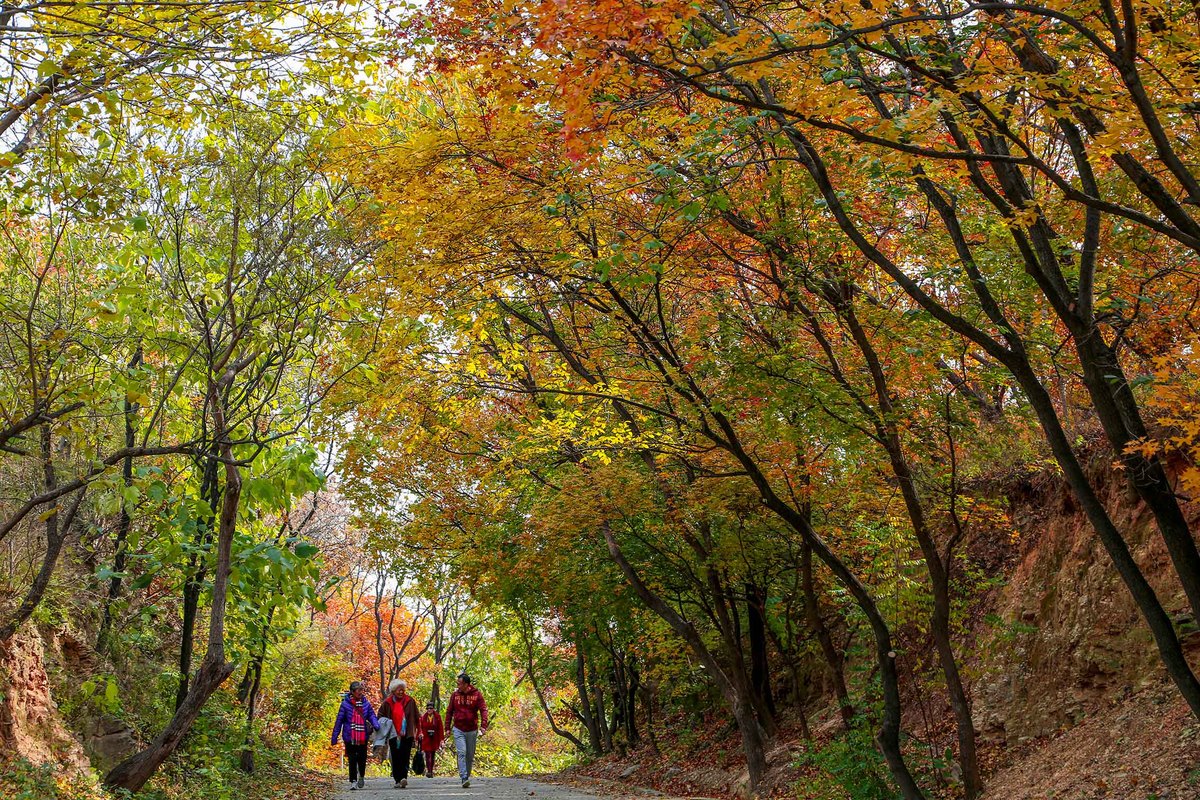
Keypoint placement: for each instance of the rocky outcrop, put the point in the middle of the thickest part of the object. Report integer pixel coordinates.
(30, 724)
(1064, 635)
(108, 741)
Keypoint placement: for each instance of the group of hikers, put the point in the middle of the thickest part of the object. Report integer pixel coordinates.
(399, 726)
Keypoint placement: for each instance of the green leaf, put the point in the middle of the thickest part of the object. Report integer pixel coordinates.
(306, 550)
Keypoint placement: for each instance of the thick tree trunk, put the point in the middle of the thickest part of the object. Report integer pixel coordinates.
(133, 773)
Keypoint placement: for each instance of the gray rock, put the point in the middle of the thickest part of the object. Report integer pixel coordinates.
(108, 741)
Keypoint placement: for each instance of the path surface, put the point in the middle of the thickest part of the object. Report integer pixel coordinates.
(448, 788)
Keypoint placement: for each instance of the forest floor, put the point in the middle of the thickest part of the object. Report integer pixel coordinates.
(1145, 747)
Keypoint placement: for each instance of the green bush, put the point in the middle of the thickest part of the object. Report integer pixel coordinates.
(848, 766)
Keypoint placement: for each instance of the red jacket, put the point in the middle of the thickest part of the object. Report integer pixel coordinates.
(430, 731)
(393, 710)
(466, 710)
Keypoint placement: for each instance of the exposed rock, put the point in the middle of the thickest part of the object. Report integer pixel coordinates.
(1069, 637)
(108, 741)
(629, 771)
(30, 724)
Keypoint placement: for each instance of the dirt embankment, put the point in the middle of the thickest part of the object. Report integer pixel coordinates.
(30, 724)
(1068, 696)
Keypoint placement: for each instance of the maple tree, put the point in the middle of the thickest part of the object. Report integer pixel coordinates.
(683, 234)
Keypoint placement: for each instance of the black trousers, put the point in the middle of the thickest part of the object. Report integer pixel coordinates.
(400, 750)
(356, 759)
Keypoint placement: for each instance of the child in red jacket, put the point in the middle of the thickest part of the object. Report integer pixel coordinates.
(430, 734)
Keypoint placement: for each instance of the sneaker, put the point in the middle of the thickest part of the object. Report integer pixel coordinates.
(361, 783)
(428, 773)
(404, 783)
(467, 783)
(398, 785)
(353, 786)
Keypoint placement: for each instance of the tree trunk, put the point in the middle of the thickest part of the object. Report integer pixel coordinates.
(889, 437)
(383, 680)
(598, 711)
(531, 671)
(1161, 628)
(133, 773)
(760, 673)
(193, 587)
(752, 734)
(834, 661)
(246, 761)
(57, 531)
(1122, 422)
(124, 523)
(585, 703)
(646, 692)
(1015, 360)
(635, 681)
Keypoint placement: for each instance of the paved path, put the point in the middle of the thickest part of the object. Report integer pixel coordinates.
(448, 788)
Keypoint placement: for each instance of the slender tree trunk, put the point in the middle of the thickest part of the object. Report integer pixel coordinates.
(939, 580)
(760, 673)
(1015, 359)
(753, 736)
(598, 712)
(379, 634)
(1122, 422)
(585, 702)
(531, 671)
(646, 693)
(124, 523)
(1161, 628)
(193, 587)
(246, 762)
(834, 661)
(57, 530)
(635, 682)
(132, 773)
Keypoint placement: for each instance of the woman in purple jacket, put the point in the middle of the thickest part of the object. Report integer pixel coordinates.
(356, 721)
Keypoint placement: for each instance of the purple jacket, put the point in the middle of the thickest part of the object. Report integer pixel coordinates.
(346, 713)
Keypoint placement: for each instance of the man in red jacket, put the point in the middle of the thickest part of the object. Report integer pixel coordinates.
(467, 719)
